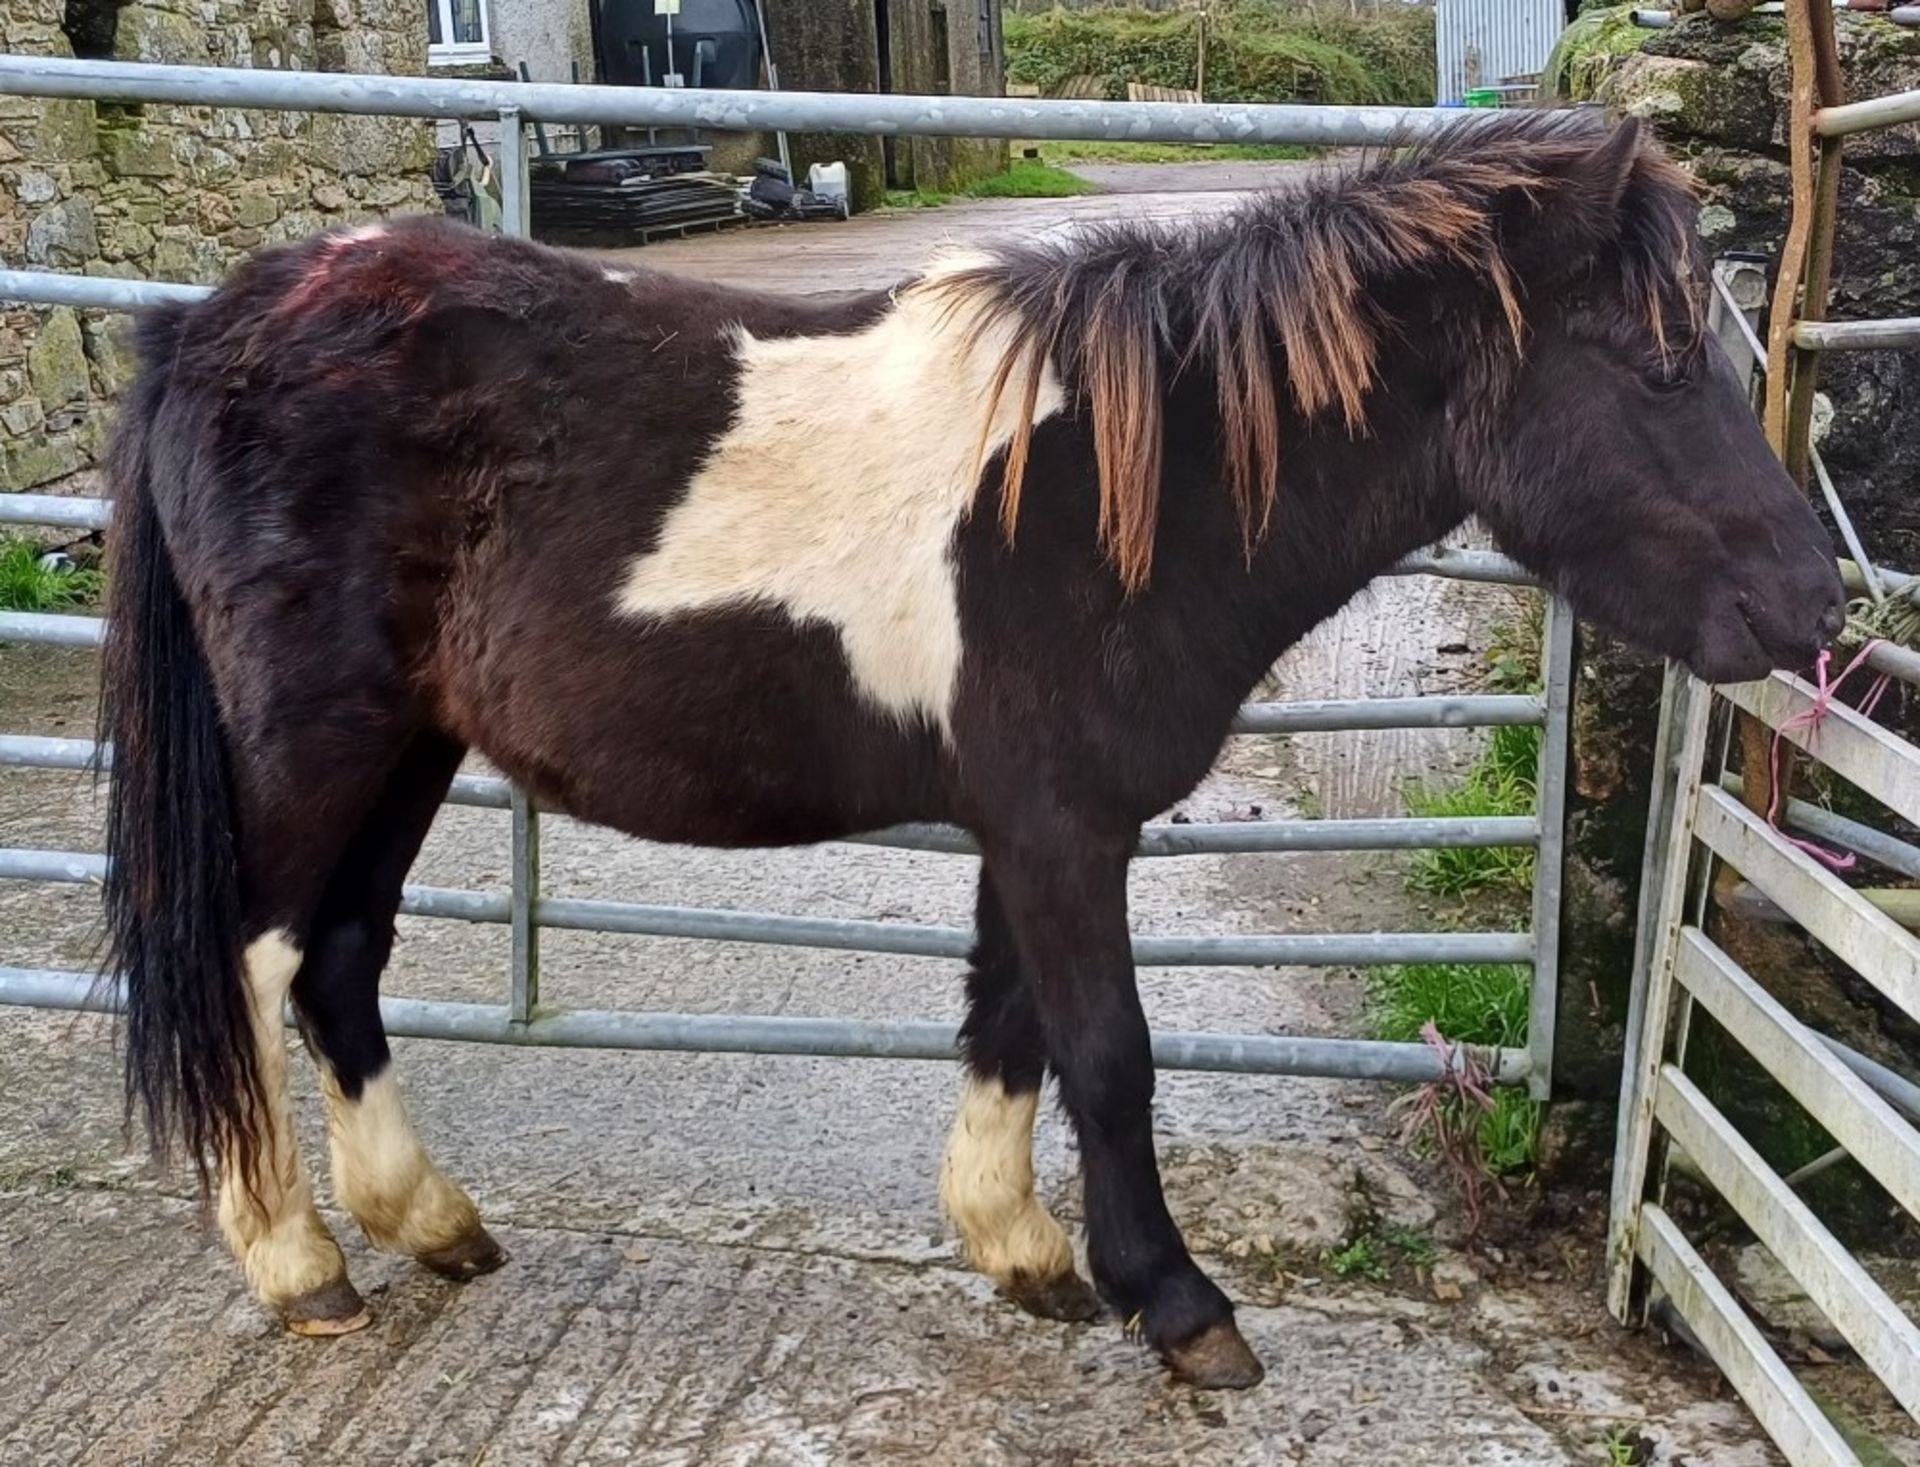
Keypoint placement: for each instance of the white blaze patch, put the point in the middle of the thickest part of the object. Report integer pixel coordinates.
(383, 1175)
(283, 1246)
(835, 494)
(986, 1187)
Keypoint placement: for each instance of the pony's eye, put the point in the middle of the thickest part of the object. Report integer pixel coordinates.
(1674, 379)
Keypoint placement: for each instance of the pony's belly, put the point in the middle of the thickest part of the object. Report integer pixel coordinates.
(722, 729)
(711, 814)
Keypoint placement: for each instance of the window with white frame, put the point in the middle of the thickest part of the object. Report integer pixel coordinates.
(457, 32)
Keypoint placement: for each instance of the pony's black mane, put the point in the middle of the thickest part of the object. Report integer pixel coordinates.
(1294, 280)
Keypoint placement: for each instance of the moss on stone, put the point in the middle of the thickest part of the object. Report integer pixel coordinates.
(57, 360)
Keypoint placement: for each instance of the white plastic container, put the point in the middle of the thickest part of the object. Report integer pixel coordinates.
(829, 181)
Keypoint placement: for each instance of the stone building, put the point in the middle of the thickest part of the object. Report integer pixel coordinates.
(182, 193)
(175, 193)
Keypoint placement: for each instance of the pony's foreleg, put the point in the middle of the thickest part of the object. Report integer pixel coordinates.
(266, 1211)
(1063, 885)
(986, 1184)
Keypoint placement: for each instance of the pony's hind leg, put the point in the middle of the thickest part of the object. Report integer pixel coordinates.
(266, 1209)
(296, 811)
(986, 1184)
(382, 1173)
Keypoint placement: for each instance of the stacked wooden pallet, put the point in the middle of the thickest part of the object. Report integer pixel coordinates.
(637, 192)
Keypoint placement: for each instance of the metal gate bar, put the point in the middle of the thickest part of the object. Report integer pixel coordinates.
(522, 1020)
(1247, 1054)
(1228, 837)
(885, 114)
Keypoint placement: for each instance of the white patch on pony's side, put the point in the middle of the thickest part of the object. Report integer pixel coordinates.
(283, 1246)
(986, 1188)
(383, 1175)
(836, 491)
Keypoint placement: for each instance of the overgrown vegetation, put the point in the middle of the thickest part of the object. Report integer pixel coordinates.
(1588, 50)
(1480, 1004)
(1256, 51)
(1026, 179)
(28, 584)
(1467, 1003)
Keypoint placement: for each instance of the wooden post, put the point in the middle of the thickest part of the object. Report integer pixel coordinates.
(1200, 66)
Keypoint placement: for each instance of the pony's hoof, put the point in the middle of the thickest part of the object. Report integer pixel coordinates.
(1216, 1359)
(334, 1308)
(466, 1258)
(1066, 1297)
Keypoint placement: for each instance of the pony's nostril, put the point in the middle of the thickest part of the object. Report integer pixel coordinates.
(1832, 620)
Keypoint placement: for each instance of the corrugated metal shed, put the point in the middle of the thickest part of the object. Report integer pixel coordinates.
(1482, 43)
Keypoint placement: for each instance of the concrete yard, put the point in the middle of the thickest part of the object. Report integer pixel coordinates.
(737, 1260)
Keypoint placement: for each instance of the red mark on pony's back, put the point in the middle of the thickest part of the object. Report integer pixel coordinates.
(363, 265)
(320, 268)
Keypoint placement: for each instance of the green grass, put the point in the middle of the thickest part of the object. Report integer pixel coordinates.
(1360, 1259)
(1370, 1254)
(1623, 1447)
(1026, 179)
(1510, 1132)
(1502, 782)
(1478, 1003)
(26, 585)
(1469, 1003)
(1472, 1003)
(1105, 152)
(1414, 1246)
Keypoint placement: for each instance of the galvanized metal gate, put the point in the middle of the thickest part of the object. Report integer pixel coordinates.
(522, 1019)
(1706, 820)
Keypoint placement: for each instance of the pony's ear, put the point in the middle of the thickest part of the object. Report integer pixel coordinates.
(1575, 211)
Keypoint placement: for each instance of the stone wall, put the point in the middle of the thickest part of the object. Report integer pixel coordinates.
(1717, 95)
(175, 193)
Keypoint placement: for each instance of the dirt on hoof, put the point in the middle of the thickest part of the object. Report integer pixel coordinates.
(334, 1308)
(466, 1258)
(1217, 1359)
(1068, 1298)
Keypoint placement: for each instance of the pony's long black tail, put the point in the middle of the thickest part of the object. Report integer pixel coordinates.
(173, 905)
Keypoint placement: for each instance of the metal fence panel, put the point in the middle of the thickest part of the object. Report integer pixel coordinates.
(1779, 1402)
(1845, 1106)
(521, 1020)
(1879, 761)
(884, 114)
(1858, 933)
(1839, 1287)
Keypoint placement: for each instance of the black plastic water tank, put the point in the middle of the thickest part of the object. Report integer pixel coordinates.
(716, 43)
